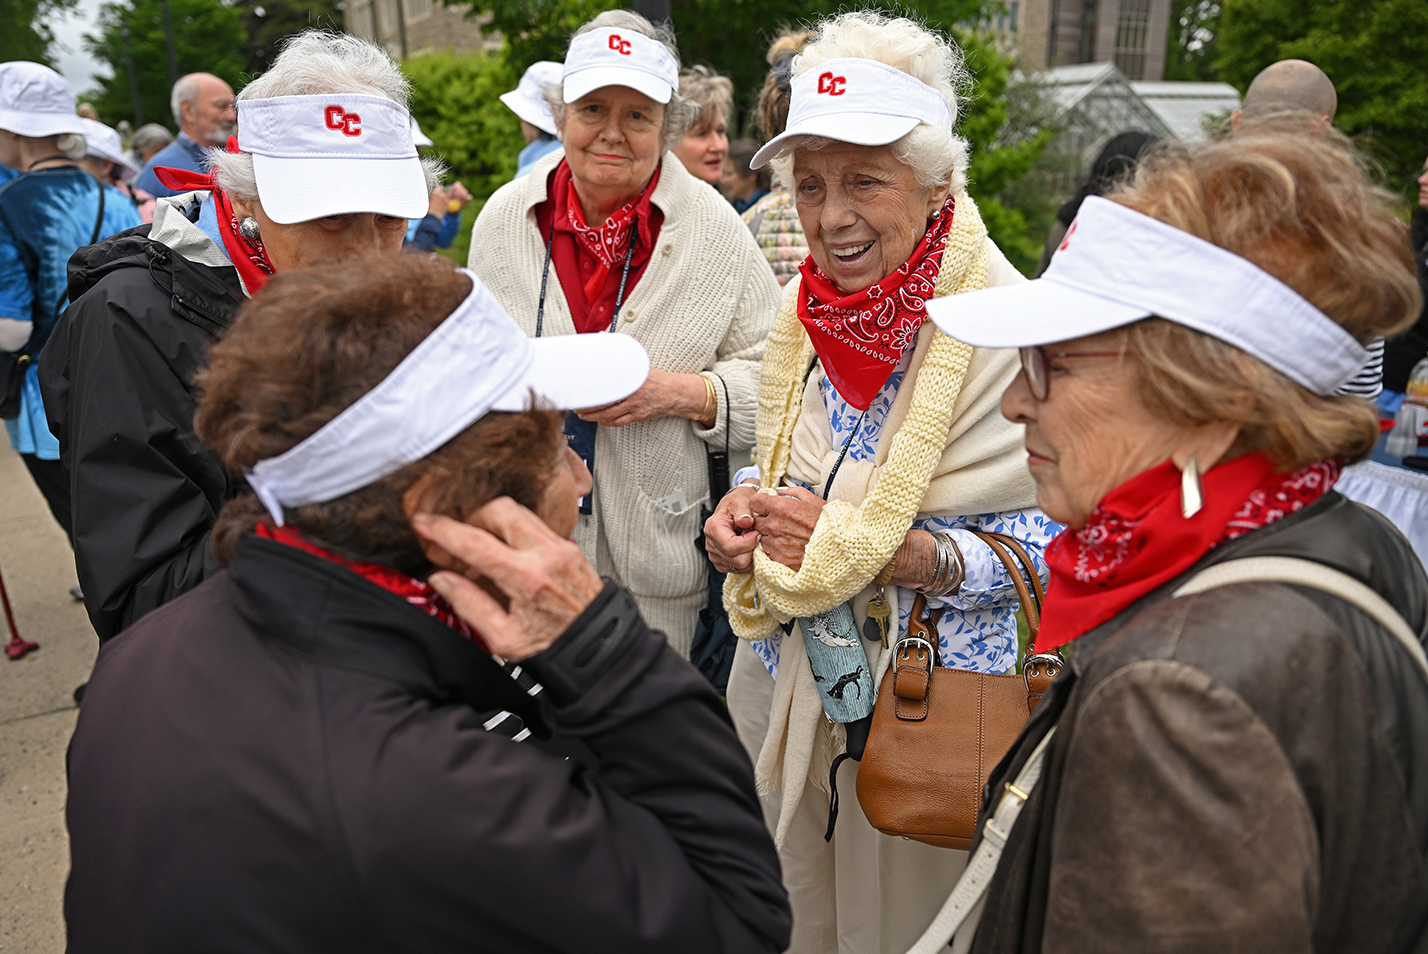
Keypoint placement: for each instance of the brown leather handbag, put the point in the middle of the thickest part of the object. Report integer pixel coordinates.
(937, 733)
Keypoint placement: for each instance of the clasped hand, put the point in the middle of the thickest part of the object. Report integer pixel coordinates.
(782, 523)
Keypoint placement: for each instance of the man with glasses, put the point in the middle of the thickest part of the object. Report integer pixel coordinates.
(203, 108)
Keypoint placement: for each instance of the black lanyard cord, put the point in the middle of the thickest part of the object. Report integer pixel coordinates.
(841, 454)
(50, 159)
(624, 275)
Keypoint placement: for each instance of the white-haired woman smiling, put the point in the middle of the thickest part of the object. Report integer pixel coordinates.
(613, 233)
(323, 166)
(872, 470)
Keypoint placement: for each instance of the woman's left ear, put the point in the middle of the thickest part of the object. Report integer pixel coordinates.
(937, 199)
(417, 499)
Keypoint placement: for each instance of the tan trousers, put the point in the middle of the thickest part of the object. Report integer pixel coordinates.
(862, 893)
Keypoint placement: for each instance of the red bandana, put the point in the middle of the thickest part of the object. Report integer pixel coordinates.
(1137, 539)
(860, 338)
(248, 257)
(589, 261)
(416, 592)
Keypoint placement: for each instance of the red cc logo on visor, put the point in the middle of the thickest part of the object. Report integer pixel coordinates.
(619, 44)
(1067, 240)
(832, 85)
(349, 124)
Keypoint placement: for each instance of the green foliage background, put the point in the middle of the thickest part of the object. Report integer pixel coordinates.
(27, 34)
(1373, 50)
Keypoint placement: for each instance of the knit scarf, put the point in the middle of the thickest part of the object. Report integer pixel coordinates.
(1137, 539)
(860, 338)
(416, 592)
(851, 544)
(248, 256)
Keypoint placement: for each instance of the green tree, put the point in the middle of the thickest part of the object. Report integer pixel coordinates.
(1192, 42)
(1371, 49)
(454, 100)
(208, 37)
(267, 22)
(28, 35)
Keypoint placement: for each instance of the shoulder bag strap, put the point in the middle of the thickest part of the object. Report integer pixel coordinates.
(1320, 577)
(1024, 577)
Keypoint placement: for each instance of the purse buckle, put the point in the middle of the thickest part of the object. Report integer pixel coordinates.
(927, 652)
(1032, 667)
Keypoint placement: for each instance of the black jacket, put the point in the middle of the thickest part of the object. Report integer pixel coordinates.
(1243, 770)
(117, 379)
(290, 758)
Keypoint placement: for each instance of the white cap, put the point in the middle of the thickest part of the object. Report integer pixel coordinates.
(611, 56)
(420, 138)
(332, 154)
(857, 100)
(103, 143)
(36, 101)
(1117, 266)
(477, 360)
(528, 101)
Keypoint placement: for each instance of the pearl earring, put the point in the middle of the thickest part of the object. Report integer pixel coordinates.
(937, 214)
(248, 228)
(1190, 498)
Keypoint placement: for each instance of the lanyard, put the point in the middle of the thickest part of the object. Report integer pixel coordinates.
(624, 275)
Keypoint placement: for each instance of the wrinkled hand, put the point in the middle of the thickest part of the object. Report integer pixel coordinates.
(436, 204)
(785, 523)
(546, 578)
(729, 534)
(662, 395)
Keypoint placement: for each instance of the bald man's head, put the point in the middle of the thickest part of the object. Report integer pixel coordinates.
(1291, 85)
(203, 108)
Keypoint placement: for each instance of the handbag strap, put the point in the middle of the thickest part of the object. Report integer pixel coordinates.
(1317, 576)
(1030, 593)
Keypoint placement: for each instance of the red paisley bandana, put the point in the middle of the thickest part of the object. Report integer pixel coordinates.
(1137, 538)
(416, 592)
(249, 257)
(860, 338)
(608, 242)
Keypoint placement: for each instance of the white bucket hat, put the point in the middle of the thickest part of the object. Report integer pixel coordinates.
(476, 361)
(1117, 266)
(528, 101)
(610, 56)
(857, 100)
(332, 154)
(103, 143)
(36, 101)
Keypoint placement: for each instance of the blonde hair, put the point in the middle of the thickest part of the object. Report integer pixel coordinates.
(1302, 208)
(937, 156)
(711, 93)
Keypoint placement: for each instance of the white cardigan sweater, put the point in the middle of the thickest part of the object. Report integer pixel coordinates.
(704, 304)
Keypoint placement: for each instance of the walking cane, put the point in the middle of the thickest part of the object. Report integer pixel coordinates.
(17, 647)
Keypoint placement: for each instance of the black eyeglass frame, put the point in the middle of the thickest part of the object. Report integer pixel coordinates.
(1036, 364)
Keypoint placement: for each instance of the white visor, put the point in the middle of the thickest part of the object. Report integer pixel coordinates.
(615, 57)
(420, 138)
(103, 143)
(36, 101)
(476, 361)
(528, 100)
(856, 100)
(332, 154)
(1117, 266)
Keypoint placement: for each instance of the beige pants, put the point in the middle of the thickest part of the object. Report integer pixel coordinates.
(863, 892)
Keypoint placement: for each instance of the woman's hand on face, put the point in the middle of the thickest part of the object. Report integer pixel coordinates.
(729, 534)
(663, 395)
(785, 523)
(546, 578)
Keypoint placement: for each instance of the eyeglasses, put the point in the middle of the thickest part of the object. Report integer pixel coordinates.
(1036, 362)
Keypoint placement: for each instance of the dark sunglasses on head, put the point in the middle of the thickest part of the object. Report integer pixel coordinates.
(1036, 362)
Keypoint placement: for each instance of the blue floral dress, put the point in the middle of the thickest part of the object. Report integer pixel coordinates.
(978, 626)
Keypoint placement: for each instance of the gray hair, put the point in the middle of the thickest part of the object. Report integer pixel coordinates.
(709, 91)
(184, 91)
(149, 135)
(679, 113)
(72, 145)
(937, 156)
(315, 62)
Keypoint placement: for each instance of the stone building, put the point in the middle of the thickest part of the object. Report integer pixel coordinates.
(1129, 33)
(409, 27)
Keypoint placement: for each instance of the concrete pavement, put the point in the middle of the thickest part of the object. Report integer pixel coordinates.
(37, 714)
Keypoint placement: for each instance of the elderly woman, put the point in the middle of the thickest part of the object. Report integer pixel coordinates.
(325, 755)
(880, 449)
(613, 233)
(324, 168)
(704, 147)
(1239, 744)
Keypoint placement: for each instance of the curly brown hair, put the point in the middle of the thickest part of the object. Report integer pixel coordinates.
(1302, 207)
(307, 347)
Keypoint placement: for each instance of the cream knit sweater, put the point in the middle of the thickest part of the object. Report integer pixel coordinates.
(704, 304)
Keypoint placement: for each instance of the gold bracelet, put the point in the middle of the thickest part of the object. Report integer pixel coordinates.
(711, 403)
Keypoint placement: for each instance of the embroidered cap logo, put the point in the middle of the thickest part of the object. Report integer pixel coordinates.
(349, 124)
(832, 85)
(619, 44)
